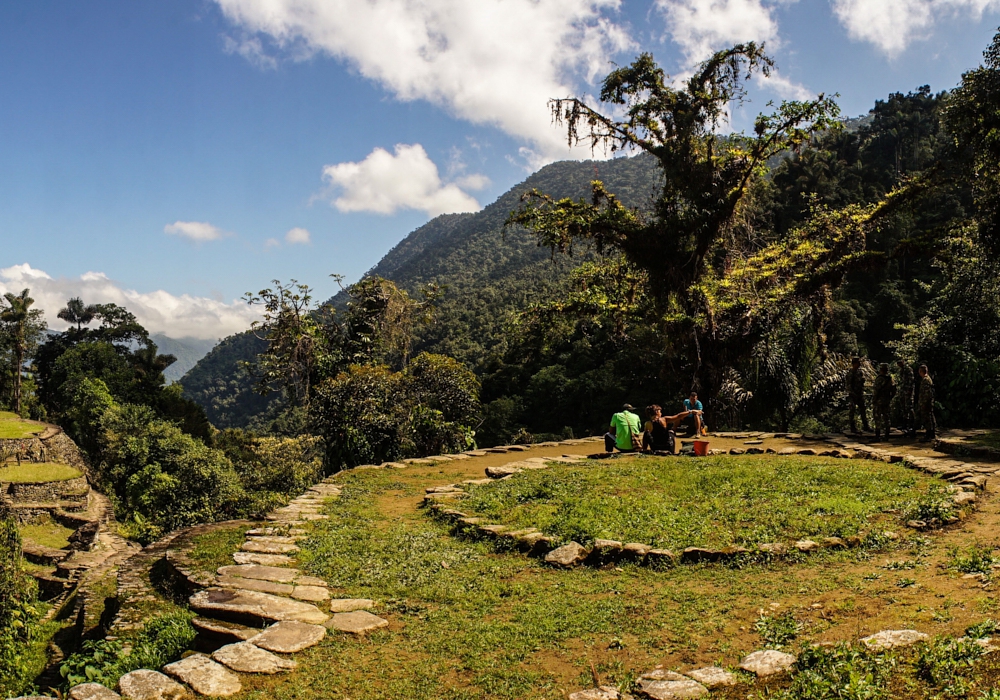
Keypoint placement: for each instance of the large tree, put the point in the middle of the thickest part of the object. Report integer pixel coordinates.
(718, 279)
(23, 328)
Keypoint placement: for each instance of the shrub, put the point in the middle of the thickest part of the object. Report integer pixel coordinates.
(161, 641)
(18, 611)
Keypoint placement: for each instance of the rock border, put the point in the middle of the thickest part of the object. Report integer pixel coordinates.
(442, 502)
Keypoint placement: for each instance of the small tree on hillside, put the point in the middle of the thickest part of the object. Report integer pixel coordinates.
(23, 329)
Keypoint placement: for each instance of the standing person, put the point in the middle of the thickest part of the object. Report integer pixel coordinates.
(694, 411)
(925, 403)
(882, 394)
(660, 435)
(856, 395)
(906, 397)
(624, 425)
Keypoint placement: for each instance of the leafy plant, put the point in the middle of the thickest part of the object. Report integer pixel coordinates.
(777, 630)
(842, 672)
(982, 629)
(977, 559)
(947, 664)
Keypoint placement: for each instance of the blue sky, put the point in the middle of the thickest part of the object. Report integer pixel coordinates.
(172, 156)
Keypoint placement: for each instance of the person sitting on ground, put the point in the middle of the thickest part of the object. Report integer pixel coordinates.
(624, 425)
(660, 435)
(695, 412)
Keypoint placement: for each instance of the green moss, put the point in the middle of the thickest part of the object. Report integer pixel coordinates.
(30, 472)
(711, 502)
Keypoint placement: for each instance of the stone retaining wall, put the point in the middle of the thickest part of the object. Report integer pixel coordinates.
(46, 491)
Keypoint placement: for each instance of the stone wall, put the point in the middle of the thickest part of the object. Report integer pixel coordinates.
(47, 492)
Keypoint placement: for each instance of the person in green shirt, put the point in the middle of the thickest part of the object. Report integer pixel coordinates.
(624, 425)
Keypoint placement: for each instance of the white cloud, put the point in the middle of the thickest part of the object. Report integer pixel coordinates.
(385, 183)
(158, 311)
(195, 230)
(492, 62)
(299, 236)
(891, 25)
(701, 27)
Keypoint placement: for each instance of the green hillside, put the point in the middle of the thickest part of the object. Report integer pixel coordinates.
(486, 275)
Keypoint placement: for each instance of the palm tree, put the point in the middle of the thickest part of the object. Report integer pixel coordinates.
(20, 321)
(77, 312)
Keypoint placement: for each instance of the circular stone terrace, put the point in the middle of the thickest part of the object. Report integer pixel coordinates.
(450, 577)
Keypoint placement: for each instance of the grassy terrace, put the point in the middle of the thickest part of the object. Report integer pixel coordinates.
(14, 427)
(48, 534)
(468, 622)
(712, 502)
(29, 472)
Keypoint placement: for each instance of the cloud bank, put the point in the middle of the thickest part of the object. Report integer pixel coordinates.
(385, 183)
(891, 25)
(495, 62)
(182, 316)
(198, 231)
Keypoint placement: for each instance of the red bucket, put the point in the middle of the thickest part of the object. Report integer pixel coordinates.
(701, 448)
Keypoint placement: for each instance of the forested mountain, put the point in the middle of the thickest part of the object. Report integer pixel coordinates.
(188, 352)
(485, 275)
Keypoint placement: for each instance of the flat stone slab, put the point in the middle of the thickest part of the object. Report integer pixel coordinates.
(253, 607)
(264, 573)
(205, 676)
(252, 584)
(263, 547)
(289, 637)
(313, 594)
(713, 677)
(341, 605)
(893, 639)
(357, 622)
(247, 658)
(92, 691)
(767, 663)
(605, 692)
(220, 630)
(567, 556)
(262, 559)
(151, 685)
(672, 690)
(502, 471)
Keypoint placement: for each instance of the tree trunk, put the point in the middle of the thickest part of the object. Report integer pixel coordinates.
(19, 350)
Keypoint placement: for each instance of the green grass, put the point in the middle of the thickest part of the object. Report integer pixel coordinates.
(214, 549)
(29, 472)
(13, 427)
(50, 534)
(710, 502)
(990, 439)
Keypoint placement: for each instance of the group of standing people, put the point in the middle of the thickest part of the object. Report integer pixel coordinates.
(916, 399)
(659, 433)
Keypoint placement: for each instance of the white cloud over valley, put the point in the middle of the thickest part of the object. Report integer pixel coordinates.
(198, 231)
(298, 236)
(494, 62)
(183, 316)
(892, 25)
(385, 183)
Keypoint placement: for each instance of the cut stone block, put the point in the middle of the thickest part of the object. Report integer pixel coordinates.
(264, 573)
(807, 546)
(289, 637)
(341, 605)
(311, 581)
(253, 584)
(151, 685)
(262, 559)
(893, 639)
(273, 539)
(224, 632)
(251, 607)
(768, 663)
(92, 691)
(313, 594)
(205, 676)
(713, 677)
(247, 658)
(662, 674)
(672, 690)
(357, 622)
(502, 471)
(605, 692)
(775, 548)
(567, 556)
(268, 547)
(964, 498)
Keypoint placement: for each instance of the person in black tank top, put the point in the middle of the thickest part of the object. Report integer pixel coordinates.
(659, 435)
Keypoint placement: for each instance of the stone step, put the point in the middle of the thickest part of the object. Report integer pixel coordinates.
(217, 632)
(247, 658)
(252, 607)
